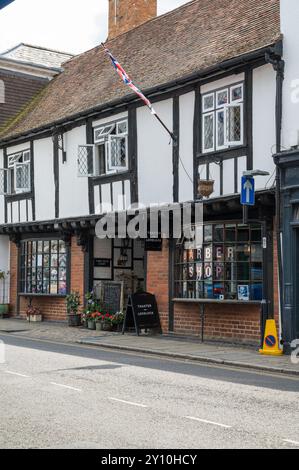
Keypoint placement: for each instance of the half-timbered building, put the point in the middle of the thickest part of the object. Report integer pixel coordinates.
(214, 71)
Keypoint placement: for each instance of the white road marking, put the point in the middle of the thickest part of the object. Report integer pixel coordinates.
(17, 374)
(208, 422)
(296, 443)
(128, 402)
(66, 386)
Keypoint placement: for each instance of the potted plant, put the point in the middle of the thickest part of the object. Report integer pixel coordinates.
(91, 321)
(99, 321)
(73, 304)
(107, 322)
(4, 307)
(117, 321)
(34, 314)
(205, 187)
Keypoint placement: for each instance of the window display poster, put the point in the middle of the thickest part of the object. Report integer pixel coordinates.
(243, 292)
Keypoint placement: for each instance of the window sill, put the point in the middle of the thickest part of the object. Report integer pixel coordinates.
(111, 176)
(238, 149)
(18, 196)
(23, 294)
(216, 301)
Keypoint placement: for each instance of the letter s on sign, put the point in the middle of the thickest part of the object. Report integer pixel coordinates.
(295, 353)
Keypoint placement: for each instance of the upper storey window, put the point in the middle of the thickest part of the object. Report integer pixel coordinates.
(109, 154)
(223, 118)
(16, 178)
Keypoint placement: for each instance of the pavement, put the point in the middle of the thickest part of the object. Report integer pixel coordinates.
(162, 346)
(72, 396)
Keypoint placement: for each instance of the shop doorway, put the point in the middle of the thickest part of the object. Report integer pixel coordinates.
(119, 261)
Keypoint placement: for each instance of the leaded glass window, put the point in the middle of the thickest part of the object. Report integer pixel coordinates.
(222, 118)
(44, 267)
(228, 265)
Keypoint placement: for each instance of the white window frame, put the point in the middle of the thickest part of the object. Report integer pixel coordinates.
(100, 133)
(217, 106)
(228, 143)
(218, 111)
(211, 108)
(110, 169)
(215, 112)
(212, 113)
(240, 100)
(22, 165)
(87, 175)
(5, 177)
(13, 163)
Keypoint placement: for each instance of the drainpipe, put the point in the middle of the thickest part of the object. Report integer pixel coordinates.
(279, 66)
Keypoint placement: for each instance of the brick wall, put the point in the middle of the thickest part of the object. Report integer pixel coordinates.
(234, 323)
(157, 280)
(53, 308)
(127, 14)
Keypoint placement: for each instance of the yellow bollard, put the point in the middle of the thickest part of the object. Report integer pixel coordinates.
(271, 343)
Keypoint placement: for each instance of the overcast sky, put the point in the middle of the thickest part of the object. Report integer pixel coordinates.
(71, 26)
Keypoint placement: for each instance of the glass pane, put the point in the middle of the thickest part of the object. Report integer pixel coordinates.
(256, 253)
(256, 291)
(199, 271)
(208, 230)
(53, 287)
(256, 234)
(208, 290)
(256, 271)
(243, 272)
(218, 233)
(208, 271)
(220, 129)
(234, 124)
(218, 291)
(54, 246)
(243, 233)
(243, 292)
(222, 98)
(218, 271)
(62, 288)
(237, 93)
(208, 251)
(231, 290)
(230, 253)
(62, 247)
(243, 252)
(208, 123)
(208, 102)
(218, 252)
(54, 261)
(230, 233)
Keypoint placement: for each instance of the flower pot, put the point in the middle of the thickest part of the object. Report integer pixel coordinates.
(99, 325)
(107, 326)
(74, 320)
(35, 318)
(91, 324)
(205, 188)
(4, 310)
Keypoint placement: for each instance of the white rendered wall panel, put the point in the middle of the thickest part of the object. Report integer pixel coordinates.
(264, 139)
(155, 178)
(44, 179)
(73, 190)
(187, 102)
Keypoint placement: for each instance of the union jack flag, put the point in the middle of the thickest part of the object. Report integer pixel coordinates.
(127, 80)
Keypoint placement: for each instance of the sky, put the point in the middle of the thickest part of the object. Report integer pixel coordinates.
(70, 26)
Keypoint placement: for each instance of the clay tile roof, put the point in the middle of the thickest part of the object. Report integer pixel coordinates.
(197, 35)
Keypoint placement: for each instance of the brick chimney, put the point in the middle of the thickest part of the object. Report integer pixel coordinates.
(127, 14)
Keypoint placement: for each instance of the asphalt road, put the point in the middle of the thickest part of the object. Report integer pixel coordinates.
(67, 396)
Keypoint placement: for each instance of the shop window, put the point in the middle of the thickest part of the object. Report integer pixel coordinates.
(44, 267)
(223, 118)
(228, 265)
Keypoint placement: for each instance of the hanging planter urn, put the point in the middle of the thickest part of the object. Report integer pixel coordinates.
(205, 188)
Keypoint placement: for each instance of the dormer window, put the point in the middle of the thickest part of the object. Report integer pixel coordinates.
(223, 118)
(16, 178)
(109, 154)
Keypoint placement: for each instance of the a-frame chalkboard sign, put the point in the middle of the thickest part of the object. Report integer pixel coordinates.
(142, 313)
